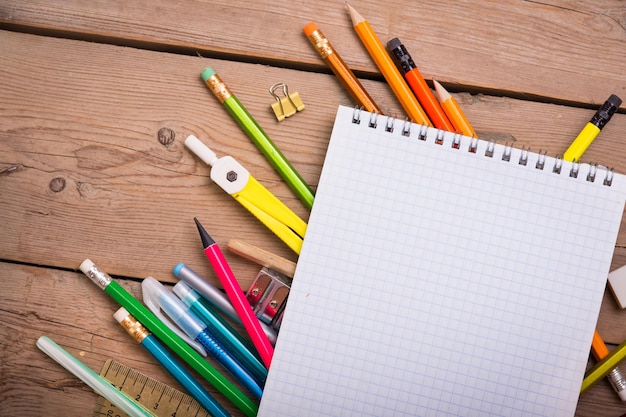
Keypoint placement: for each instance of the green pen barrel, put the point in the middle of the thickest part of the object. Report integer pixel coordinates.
(168, 337)
(269, 150)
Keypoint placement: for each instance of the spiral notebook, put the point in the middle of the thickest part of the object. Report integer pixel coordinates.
(443, 276)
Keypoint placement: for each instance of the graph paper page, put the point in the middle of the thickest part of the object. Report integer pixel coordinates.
(435, 281)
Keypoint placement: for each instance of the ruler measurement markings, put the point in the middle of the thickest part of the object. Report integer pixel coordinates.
(161, 399)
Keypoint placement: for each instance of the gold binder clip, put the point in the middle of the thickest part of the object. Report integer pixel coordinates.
(285, 106)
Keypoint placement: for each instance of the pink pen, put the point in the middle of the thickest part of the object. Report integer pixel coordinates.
(236, 296)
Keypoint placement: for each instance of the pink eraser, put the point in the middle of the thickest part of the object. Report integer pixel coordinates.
(617, 283)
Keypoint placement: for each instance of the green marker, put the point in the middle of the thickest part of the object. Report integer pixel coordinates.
(168, 337)
(258, 136)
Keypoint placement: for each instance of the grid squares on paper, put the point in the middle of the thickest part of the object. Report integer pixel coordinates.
(437, 282)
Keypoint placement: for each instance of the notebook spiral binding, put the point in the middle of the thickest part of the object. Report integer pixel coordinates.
(441, 136)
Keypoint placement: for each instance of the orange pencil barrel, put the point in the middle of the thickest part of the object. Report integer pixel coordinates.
(425, 96)
(428, 100)
(598, 348)
(383, 61)
(337, 65)
(454, 112)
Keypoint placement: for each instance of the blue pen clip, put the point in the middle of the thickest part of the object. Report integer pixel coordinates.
(227, 336)
(157, 298)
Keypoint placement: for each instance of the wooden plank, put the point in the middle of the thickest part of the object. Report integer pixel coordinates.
(85, 176)
(71, 310)
(600, 400)
(75, 313)
(87, 168)
(568, 51)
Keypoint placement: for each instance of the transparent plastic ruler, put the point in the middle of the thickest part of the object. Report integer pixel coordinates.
(159, 398)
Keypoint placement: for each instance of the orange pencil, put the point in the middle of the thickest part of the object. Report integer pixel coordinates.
(453, 111)
(339, 68)
(386, 66)
(425, 96)
(615, 377)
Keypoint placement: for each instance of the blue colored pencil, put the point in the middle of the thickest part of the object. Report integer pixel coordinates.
(156, 349)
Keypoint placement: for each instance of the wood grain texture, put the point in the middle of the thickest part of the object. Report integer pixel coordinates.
(71, 310)
(96, 99)
(93, 122)
(561, 50)
(75, 313)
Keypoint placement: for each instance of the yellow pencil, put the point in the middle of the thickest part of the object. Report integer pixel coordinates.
(386, 66)
(453, 111)
(602, 368)
(615, 377)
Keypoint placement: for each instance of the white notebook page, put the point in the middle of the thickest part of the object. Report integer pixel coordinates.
(438, 282)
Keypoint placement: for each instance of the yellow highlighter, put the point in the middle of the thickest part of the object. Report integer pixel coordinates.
(233, 178)
(592, 129)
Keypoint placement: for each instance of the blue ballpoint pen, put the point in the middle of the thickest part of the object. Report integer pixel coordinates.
(158, 351)
(226, 335)
(216, 297)
(158, 298)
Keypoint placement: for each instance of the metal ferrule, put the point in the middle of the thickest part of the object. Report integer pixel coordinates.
(617, 379)
(100, 278)
(134, 328)
(219, 89)
(321, 44)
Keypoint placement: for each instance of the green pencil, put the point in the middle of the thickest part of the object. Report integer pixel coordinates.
(258, 136)
(168, 337)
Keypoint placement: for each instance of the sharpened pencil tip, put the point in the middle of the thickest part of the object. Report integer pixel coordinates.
(442, 93)
(207, 240)
(354, 15)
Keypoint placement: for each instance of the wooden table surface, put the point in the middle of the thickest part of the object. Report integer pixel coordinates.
(97, 97)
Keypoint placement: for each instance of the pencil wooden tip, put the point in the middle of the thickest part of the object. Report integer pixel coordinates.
(442, 94)
(354, 15)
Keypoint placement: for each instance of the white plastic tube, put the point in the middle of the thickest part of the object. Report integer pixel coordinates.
(99, 384)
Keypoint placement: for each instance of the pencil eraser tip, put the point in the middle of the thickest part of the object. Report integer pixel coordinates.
(393, 43)
(86, 265)
(617, 284)
(207, 73)
(310, 28)
(622, 395)
(615, 100)
(121, 314)
(178, 267)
